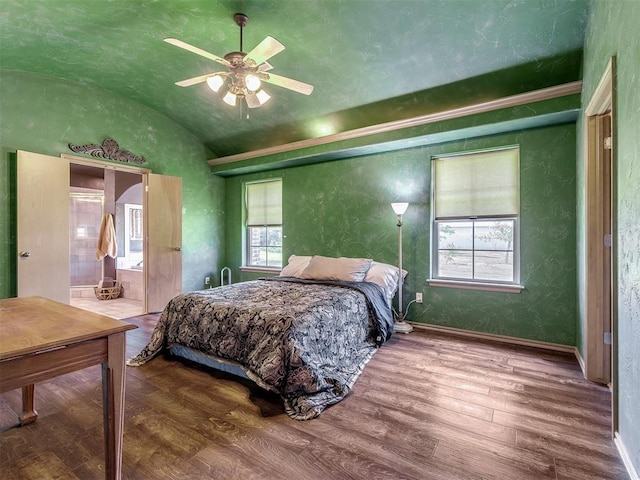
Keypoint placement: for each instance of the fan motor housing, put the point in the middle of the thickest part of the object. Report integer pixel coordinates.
(235, 58)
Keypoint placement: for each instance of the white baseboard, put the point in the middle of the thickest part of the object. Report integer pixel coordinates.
(499, 338)
(581, 362)
(626, 459)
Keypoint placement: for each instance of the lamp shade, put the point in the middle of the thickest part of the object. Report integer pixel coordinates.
(252, 82)
(215, 82)
(263, 97)
(230, 99)
(400, 207)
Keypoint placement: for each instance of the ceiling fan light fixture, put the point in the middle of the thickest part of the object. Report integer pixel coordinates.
(230, 99)
(215, 82)
(252, 82)
(245, 71)
(263, 97)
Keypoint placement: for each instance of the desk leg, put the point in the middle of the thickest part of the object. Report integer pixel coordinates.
(29, 414)
(113, 382)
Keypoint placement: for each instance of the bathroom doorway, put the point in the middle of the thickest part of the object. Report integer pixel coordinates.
(43, 235)
(93, 193)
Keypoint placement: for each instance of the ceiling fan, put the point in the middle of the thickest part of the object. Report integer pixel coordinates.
(246, 71)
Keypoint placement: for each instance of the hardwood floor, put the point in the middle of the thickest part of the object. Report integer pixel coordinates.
(428, 406)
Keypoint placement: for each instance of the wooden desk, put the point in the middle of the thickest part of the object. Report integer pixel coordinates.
(41, 339)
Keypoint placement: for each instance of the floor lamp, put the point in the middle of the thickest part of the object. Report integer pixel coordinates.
(400, 326)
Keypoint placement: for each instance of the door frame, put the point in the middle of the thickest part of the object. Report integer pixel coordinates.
(144, 172)
(600, 261)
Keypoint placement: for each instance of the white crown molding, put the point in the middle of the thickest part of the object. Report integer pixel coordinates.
(498, 104)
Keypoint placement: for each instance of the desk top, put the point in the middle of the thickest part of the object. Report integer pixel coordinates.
(33, 324)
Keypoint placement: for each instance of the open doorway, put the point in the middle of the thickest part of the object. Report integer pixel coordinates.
(42, 227)
(93, 193)
(600, 353)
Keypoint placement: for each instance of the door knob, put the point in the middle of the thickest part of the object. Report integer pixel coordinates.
(178, 249)
(25, 254)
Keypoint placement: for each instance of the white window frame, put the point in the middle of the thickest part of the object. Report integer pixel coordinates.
(436, 279)
(247, 262)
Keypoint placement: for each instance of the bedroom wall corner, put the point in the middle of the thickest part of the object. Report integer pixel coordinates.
(342, 208)
(48, 113)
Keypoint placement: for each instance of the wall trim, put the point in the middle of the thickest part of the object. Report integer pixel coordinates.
(492, 105)
(583, 367)
(497, 338)
(626, 458)
(485, 287)
(103, 164)
(255, 269)
(602, 97)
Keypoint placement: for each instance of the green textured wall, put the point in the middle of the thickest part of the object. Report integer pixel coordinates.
(613, 30)
(342, 208)
(43, 115)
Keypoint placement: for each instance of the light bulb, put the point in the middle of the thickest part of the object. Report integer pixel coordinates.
(215, 82)
(230, 99)
(252, 82)
(263, 97)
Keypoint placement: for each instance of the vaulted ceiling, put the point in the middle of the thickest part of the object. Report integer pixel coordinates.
(370, 61)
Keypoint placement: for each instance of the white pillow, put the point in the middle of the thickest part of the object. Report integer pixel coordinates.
(386, 276)
(296, 265)
(342, 269)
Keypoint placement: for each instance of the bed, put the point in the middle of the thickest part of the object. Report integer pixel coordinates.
(305, 335)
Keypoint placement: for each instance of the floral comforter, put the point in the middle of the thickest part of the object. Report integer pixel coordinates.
(306, 340)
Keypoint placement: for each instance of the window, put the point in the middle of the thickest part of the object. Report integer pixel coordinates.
(133, 249)
(264, 224)
(475, 217)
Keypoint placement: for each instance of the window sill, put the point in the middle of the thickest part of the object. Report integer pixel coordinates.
(487, 287)
(274, 270)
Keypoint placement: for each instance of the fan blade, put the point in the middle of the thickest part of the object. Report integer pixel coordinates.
(289, 83)
(252, 100)
(197, 51)
(199, 79)
(264, 51)
(265, 67)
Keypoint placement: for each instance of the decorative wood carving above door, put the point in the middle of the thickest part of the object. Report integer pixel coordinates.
(109, 149)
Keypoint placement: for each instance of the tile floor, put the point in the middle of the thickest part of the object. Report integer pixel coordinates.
(116, 308)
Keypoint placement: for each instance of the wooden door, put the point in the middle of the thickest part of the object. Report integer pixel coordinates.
(163, 256)
(43, 226)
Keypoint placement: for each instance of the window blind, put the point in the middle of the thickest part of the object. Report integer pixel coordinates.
(264, 203)
(477, 185)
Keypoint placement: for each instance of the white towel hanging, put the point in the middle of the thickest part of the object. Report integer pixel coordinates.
(107, 244)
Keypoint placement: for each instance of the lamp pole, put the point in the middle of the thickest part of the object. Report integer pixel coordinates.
(400, 282)
(400, 325)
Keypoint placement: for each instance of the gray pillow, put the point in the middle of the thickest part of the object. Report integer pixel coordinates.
(343, 269)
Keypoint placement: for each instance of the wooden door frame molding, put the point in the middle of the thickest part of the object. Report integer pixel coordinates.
(106, 165)
(599, 361)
